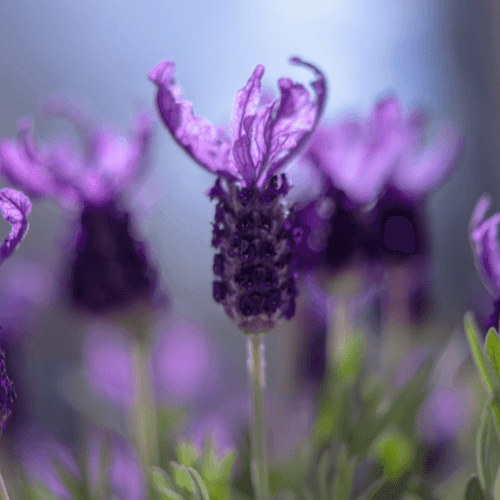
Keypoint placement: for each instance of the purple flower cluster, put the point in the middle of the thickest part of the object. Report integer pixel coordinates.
(376, 175)
(110, 267)
(254, 230)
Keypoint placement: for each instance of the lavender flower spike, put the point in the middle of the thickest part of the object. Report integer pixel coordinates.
(254, 230)
(263, 138)
(15, 207)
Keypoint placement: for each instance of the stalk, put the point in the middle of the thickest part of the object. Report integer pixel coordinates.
(3, 490)
(256, 372)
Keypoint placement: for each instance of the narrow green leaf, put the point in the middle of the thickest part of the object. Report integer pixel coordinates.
(477, 352)
(343, 482)
(187, 453)
(481, 444)
(226, 465)
(167, 494)
(322, 475)
(182, 478)
(202, 489)
(495, 408)
(492, 352)
(160, 478)
(373, 489)
(473, 490)
(211, 467)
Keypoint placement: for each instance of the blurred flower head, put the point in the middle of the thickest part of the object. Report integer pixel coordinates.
(483, 235)
(104, 167)
(376, 174)
(253, 230)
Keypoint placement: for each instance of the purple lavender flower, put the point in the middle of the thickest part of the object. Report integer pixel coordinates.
(253, 230)
(110, 268)
(377, 175)
(483, 235)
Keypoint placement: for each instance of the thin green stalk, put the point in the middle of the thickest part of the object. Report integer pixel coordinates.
(143, 424)
(3, 490)
(256, 371)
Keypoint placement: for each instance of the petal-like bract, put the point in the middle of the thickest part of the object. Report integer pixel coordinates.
(15, 208)
(263, 137)
(483, 234)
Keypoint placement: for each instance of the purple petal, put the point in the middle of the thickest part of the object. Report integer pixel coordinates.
(203, 142)
(284, 132)
(15, 208)
(419, 173)
(21, 162)
(483, 236)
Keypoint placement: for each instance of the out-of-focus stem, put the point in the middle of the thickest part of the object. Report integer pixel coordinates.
(143, 424)
(256, 372)
(3, 490)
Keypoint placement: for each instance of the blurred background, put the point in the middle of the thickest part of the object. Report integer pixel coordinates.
(444, 55)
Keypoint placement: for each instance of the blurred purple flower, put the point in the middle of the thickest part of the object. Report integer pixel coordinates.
(125, 475)
(483, 235)
(253, 230)
(377, 174)
(37, 452)
(111, 268)
(107, 363)
(186, 365)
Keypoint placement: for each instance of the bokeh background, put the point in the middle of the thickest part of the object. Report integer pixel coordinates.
(444, 55)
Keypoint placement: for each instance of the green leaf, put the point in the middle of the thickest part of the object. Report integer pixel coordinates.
(227, 465)
(477, 352)
(160, 478)
(202, 489)
(481, 445)
(374, 489)
(343, 482)
(211, 466)
(473, 490)
(352, 353)
(182, 478)
(492, 351)
(167, 494)
(323, 464)
(187, 453)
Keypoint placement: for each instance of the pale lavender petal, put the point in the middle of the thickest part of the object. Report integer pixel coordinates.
(483, 234)
(420, 172)
(15, 208)
(203, 142)
(282, 134)
(107, 364)
(186, 365)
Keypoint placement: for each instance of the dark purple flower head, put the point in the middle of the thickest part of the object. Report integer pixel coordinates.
(483, 235)
(103, 168)
(263, 137)
(7, 393)
(15, 208)
(254, 232)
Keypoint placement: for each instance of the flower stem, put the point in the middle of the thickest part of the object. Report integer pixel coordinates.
(3, 490)
(256, 371)
(144, 411)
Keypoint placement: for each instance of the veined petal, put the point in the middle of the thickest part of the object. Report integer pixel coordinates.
(15, 208)
(291, 123)
(483, 234)
(203, 142)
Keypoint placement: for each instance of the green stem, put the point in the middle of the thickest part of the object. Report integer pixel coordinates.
(256, 371)
(143, 424)
(3, 490)
(481, 450)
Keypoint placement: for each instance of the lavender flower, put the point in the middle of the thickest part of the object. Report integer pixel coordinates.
(110, 267)
(253, 230)
(483, 235)
(377, 175)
